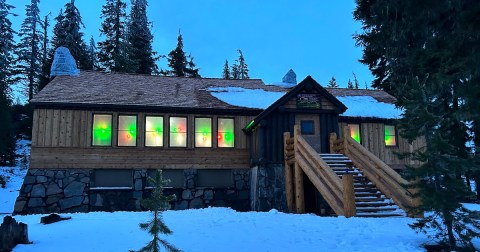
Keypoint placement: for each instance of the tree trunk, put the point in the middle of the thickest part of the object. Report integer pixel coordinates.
(448, 221)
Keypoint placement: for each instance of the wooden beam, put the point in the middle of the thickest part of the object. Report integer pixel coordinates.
(299, 192)
(333, 137)
(349, 208)
(288, 175)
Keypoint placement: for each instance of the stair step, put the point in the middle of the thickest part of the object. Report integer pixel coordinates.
(374, 204)
(379, 215)
(368, 194)
(368, 199)
(376, 209)
(372, 190)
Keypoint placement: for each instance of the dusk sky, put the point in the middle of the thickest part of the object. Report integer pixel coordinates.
(312, 37)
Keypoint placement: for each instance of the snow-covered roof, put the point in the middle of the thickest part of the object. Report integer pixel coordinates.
(243, 97)
(358, 106)
(367, 106)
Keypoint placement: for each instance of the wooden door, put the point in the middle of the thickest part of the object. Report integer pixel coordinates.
(310, 127)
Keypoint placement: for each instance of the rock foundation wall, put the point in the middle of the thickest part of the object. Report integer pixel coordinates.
(268, 182)
(69, 190)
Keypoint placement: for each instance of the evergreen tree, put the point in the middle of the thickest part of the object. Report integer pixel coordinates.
(226, 71)
(235, 72)
(241, 67)
(45, 70)
(181, 65)
(112, 51)
(332, 83)
(355, 81)
(72, 23)
(92, 54)
(29, 49)
(349, 84)
(426, 54)
(7, 77)
(139, 39)
(157, 203)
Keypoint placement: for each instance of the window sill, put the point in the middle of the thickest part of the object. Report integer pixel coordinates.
(119, 188)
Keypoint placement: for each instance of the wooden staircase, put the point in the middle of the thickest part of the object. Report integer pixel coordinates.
(352, 180)
(369, 201)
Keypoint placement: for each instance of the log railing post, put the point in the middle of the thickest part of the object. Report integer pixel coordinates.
(348, 195)
(332, 139)
(346, 134)
(288, 175)
(299, 191)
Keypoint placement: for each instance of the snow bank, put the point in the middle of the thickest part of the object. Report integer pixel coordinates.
(248, 98)
(223, 229)
(14, 177)
(367, 106)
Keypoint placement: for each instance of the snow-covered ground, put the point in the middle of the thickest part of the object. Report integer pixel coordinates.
(216, 229)
(14, 177)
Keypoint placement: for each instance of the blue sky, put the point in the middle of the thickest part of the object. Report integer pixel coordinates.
(312, 37)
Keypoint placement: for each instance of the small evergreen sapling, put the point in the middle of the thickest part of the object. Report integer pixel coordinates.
(157, 203)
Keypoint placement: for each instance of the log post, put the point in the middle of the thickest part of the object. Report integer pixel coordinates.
(333, 137)
(348, 195)
(299, 192)
(346, 134)
(288, 175)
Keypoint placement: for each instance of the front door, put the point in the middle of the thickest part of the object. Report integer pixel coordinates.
(310, 129)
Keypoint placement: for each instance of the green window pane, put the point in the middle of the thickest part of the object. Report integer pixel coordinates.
(154, 131)
(203, 132)
(390, 135)
(178, 132)
(226, 132)
(355, 132)
(102, 130)
(127, 130)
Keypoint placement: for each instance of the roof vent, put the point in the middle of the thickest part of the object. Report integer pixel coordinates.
(63, 63)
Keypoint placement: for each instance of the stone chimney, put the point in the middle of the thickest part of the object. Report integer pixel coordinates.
(63, 63)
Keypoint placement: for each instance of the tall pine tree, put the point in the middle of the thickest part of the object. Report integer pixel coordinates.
(226, 71)
(45, 69)
(240, 68)
(92, 54)
(139, 39)
(426, 54)
(29, 49)
(7, 78)
(112, 50)
(180, 64)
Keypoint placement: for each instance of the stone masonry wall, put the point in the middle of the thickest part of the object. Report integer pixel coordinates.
(269, 192)
(68, 190)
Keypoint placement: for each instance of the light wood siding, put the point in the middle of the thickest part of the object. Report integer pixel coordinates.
(372, 138)
(325, 103)
(62, 139)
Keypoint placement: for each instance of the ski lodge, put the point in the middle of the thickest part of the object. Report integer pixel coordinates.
(230, 143)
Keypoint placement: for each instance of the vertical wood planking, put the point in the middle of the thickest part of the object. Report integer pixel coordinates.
(63, 128)
(76, 127)
(56, 128)
(35, 134)
(41, 128)
(69, 119)
(48, 128)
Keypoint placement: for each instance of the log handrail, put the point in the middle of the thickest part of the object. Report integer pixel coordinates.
(337, 192)
(387, 180)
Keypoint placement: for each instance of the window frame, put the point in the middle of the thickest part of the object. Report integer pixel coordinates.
(234, 135)
(395, 135)
(195, 131)
(93, 130)
(359, 131)
(136, 128)
(145, 131)
(313, 127)
(186, 132)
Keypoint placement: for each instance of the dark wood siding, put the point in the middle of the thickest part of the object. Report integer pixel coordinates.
(62, 139)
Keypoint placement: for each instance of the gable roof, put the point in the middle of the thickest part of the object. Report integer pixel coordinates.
(307, 83)
(93, 89)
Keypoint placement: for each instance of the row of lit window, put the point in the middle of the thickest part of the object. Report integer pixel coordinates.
(127, 131)
(390, 134)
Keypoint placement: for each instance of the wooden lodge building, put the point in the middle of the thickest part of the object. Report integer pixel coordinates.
(231, 143)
